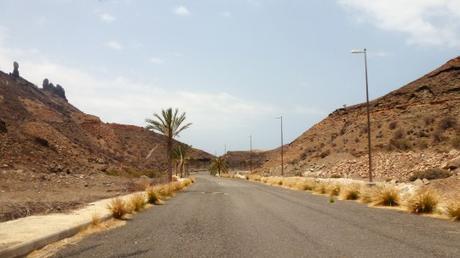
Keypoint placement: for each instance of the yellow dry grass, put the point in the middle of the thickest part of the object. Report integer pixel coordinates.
(351, 192)
(386, 196)
(453, 210)
(423, 201)
(137, 202)
(118, 208)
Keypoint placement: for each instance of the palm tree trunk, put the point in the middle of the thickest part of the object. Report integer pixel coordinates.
(170, 165)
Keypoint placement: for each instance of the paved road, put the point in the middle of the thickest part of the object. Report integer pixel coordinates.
(235, 218)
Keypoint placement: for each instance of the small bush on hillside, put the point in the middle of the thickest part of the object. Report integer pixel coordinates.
(137, 202)
(398, 134)
(428, 120)
(400, 144)
(453, 210)
(447, 123)
(118, 208)
(456, 142)
(351, 192)
(424, 201)
(325, 154)
(430, 174)
(392, 125)
(386, 196)
(336, 176)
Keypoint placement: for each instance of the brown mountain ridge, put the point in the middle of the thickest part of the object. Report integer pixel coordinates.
(413, 128)
(47, 145)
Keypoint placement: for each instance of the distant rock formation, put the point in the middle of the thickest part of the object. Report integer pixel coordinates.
(15, 73)
(57, 90)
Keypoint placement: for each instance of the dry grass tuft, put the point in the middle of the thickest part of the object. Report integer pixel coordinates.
(366, 194)
(334, 190)
(386, 196)
(187, 182)
(453, 210)
(153, 195)
(306, 185)
(255, 178)
(137, 202)
(119, 208)
(320, 188)
(166, 190)
(351, 192)
(424, 201)
(95, 219)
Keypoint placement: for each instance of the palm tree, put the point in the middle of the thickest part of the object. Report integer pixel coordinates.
(170, 123)
(219, 165)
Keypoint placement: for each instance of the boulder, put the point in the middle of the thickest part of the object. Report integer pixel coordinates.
(452, 164)
(419, 182)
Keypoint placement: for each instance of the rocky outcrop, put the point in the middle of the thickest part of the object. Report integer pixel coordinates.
(57, 90)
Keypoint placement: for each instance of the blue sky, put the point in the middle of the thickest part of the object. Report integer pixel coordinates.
(232, 65)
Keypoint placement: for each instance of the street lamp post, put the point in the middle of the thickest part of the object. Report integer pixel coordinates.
(250, 154)
(282, 146)
(364, 51)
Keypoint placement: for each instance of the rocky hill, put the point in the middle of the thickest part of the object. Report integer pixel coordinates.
(53, 157)
(413, 128)
(41, 131)
(243, 160)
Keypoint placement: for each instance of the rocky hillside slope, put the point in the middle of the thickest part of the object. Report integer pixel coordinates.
(243, 160)
(40, 131)
(414, 128)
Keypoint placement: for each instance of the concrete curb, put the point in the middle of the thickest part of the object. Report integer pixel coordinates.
(20, 247)
(24, 248)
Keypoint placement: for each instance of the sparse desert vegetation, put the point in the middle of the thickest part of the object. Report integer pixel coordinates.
(152, 194)
(137, 202)
(386, 196)
(453, 210)
(351, 192)
(423, 201)
(119, 208)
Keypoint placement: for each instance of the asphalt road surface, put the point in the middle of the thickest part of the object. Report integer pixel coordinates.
(218, 217)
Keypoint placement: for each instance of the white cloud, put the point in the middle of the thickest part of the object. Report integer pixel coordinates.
(181, 11)
(114, 45)
(127, 100)
(106, 17)
(156, 60)
(423, 22)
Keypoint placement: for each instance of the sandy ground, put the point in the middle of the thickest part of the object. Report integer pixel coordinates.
(25, 193)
